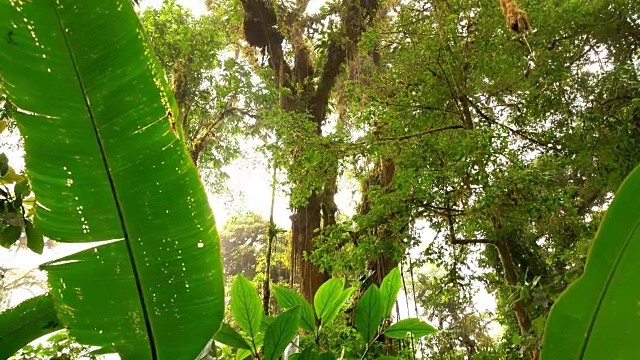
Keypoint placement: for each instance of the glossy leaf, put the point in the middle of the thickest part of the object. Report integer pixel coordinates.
(389, 289)
(416, 327)
(35, 240)
(597, 316)
(280, 333)
(246, 306)
(264, 323)
(228, 336)
(287, 299)
(334, 310)
(26, 322)
(327, 296)
(369, 313)
(106, 165)
(243, 354)
(10, 234)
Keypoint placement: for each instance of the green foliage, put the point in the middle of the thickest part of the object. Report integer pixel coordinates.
(243, 240)
(277, 333)
(106, 163)
(16, 207)
(369, 313)
(228, 336)
(288, 299)
(246, 306)
(57, 347)
(415, 327)
(329, 299)
(26, 322)
(281, 331)
(389, 290)
(588, 319)
(209, 85)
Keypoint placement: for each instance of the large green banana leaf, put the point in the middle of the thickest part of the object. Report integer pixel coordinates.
(106, 164)
(28, 321)
(597, 317)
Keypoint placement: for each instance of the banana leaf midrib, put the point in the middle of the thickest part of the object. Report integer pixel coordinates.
(603, 293)
(114, 191)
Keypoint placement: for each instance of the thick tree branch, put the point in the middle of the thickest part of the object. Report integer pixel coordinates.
(205, 136)
(359, 15)
(422, 133)
(260, 31)
(471, 241)
(516, 132)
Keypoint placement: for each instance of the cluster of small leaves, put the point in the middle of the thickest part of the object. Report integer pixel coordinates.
(374, 306)
(57, 347)
(213, 88)
(16, 206)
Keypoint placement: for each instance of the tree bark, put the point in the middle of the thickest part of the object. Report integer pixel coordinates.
(305, 225)
(262, 31)
(510, 274)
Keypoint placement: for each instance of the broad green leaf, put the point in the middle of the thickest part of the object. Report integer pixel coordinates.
(416, 327)
(597, 316)
(35, 241)
(334, 310)
(369, 313)
(243, 354)
(280, 333)
(386, 357)
(327, 356)
(390, 288)
(228, 336)
(287, 299)
(326, 297)
(262, 330)
(26, 322)
(10, 234)
(106, 165)
(264, 323)
(246, 306)
(310, 353)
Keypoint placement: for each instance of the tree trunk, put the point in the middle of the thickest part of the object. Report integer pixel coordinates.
(305, 225)
(510, 274)
(263, 30)
(266, 285)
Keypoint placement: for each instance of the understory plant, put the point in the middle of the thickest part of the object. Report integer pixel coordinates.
(264, 337)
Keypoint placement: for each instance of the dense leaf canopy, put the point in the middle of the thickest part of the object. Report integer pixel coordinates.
(460, 149)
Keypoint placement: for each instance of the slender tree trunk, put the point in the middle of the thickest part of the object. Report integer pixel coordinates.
(266, 289)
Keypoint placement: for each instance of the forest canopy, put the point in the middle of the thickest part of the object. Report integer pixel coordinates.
(443, 169)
